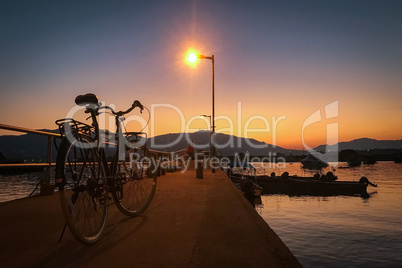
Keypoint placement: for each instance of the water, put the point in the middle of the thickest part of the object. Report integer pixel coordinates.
(341, 231)
(18, 185)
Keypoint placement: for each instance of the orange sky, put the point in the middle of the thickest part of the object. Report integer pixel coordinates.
(276, 59)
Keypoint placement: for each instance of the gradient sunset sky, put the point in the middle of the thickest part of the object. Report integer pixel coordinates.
(278, 58)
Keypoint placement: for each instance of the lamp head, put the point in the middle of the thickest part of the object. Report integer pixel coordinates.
(192, 57)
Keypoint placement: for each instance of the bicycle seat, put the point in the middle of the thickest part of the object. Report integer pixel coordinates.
(88, 98)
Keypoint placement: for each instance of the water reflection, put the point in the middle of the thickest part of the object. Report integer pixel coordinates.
(17, 186)
(334, 231)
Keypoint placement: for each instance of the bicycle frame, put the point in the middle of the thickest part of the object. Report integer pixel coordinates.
(122, 143)
(74, 130)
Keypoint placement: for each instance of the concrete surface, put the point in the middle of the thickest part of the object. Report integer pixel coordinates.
(191, 222)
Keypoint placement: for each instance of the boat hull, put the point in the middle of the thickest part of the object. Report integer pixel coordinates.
(309, 186)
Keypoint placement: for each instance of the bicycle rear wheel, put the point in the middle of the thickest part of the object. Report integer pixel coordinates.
(83, 197)
(134, 190)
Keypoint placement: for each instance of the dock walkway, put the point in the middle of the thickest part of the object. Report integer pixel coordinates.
(191, 222)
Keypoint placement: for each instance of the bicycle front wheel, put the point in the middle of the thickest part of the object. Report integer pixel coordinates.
(83, 197)
(134, 190)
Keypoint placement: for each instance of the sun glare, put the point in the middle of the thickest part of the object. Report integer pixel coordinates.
(192, 57)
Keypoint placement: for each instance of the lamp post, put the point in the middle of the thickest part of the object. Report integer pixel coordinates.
(210, 124)
(212, 58)
(192, 58)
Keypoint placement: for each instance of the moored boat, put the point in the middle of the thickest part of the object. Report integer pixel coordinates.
(314, 186)
(310, 186)
(311, 162)
(354, 162)
(369, 160)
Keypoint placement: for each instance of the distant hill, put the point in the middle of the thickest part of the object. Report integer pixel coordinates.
(363, 144)
(24, 148)
(32, 148)
(201, 140)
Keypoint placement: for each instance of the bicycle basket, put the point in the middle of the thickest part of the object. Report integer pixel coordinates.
(73, 126)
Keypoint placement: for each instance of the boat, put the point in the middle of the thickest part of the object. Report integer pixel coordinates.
(312, 162)
(317, 185)
(247, 185)
(369, 160)
(354, 162)
(324, 185)
(251, 190)
(398, 158)
(245, 182)
(308, 186)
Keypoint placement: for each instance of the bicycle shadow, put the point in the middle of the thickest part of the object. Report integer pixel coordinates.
(69, 251)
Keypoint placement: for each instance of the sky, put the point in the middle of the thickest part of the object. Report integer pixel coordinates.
(278, 61)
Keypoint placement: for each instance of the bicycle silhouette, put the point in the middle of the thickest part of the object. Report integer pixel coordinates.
(87, 174)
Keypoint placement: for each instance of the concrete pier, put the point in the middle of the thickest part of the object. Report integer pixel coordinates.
(191, 222)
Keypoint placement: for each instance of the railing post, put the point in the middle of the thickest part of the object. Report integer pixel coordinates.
(151, 169)
(199, 166)
(158, 163)
(162, 165)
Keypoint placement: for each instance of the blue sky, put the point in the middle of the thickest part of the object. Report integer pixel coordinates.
(277, 57)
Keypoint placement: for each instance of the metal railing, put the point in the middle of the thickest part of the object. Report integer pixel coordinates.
(45, 183)
(167, 161)
(45, 186)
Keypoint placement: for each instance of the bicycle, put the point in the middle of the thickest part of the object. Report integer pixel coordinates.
(90, 168)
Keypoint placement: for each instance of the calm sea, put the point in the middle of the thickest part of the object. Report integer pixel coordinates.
(341, 231)
(18, 185)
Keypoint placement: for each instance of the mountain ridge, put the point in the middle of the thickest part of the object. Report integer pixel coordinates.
(31, 147)
(362, 144)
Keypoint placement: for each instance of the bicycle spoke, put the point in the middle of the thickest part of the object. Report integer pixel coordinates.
(137, 191)
(84, 211)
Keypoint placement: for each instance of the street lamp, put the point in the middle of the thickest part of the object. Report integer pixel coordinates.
(210, 125)
(204, 115)
(192, 57)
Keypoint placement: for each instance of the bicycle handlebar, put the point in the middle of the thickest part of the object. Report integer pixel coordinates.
(135, 104)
